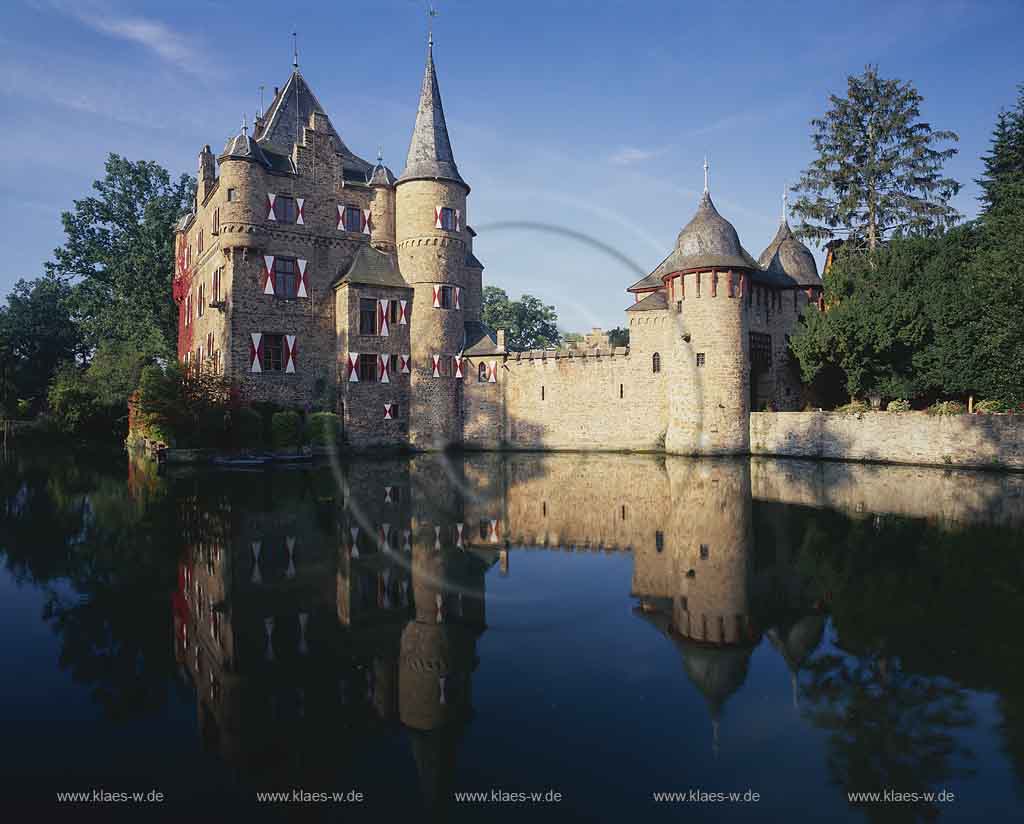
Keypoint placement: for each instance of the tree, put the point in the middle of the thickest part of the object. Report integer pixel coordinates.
(619, 336)
(36, 336)
(119, 255)
(878, 169)
(528, 322)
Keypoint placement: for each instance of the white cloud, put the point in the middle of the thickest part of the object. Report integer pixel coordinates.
(630, 155)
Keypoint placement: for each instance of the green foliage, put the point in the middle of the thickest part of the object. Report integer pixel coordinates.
(324, 429)
(36, 336)
(247, 428)
(877, 169)
(118, 255)
(992, 406)
(619, 336)
(898, 406)
(287, 430)
(189, 408)
(946, 408)
(529, 323)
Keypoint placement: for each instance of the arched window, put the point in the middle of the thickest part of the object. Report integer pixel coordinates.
(481, 373)
(656, 362)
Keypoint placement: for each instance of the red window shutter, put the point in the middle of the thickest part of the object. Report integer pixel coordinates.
(268, 275)
(300, 218)
(270, 206)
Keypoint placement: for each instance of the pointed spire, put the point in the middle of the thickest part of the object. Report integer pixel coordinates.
(430, 150)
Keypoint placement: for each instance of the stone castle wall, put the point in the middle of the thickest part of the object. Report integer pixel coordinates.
(987, 441)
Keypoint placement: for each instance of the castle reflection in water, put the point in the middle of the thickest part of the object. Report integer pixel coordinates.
(317, 609)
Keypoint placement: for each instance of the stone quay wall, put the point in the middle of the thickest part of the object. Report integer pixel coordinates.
(976, 441)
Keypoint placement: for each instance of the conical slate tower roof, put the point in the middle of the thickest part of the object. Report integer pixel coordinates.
(710, 241)
(430, 151)
(787, 256)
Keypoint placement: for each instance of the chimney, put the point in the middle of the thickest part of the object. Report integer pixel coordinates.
(207, 174)
(501, 339)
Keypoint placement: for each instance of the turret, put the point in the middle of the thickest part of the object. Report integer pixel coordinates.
(382, 208)
(431, 238)
(708, 275)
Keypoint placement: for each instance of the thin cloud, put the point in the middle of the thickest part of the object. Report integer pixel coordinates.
(630, 156)
(157, 37)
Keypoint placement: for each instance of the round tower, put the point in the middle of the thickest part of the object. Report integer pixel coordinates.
(242, 165)
(382, 207)
(708, 277)
(430, 220)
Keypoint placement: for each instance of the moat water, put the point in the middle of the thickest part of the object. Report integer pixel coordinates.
(591, 629)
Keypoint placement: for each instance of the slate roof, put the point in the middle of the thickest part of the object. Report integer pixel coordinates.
(655, 300)
(289, 113)
(372, 267)
(473, 262)
(708, 241)
(381, 176)
(243, 147)
(788, 257)
(430, 151)
(479, 339)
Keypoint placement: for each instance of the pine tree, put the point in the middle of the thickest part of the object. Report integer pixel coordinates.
(878, 169)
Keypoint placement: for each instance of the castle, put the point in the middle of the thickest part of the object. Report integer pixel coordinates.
(310, 277)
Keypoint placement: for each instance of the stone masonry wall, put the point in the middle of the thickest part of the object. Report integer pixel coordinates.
(991, 441)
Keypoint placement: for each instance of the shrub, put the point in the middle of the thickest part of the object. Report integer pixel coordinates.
(287, 430)
(324, 429)
(247, 428)
(947, 408)
(854, 407)
(898, 406)
(990, 406)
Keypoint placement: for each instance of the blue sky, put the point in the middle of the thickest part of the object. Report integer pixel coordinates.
(592, 116)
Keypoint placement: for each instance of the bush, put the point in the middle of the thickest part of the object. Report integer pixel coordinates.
(898, 406)
(947, 408)
(324, 429)
(854, 407)
(990, 406)
(247, 428)
(287, 430)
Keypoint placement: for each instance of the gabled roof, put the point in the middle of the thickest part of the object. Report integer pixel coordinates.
(480, 340)
(289, 112)
(430, 151)
(372, 267)
(655, 300)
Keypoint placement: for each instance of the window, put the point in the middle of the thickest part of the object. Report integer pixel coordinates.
(623, 512)
(621, 391)
(200, 241)
(216, 285)
(392, 365)
(273, 353)
(367, 316)
(285, 209)
(231, 195)
(659, 541)
(394, 410)
(447, 293)
(446, 366)
(216, 221)
(392, 311)
(353, 219)
(202, 299)
(448, 219)
(656, 363)
(704, 552)
(679, 307)
(760, 349)
(700, 360)
(286, 282)
(542, 393)
(368, 368)
(481, 373)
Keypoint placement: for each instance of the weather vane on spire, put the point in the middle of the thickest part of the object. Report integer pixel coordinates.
(785, 203)
(706, 167)
(431, 14)
(295, 50)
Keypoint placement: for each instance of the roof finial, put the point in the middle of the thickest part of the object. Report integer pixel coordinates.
(706, 167)
(380, 155)
(295, 50)
(431, 14)
(245, 125)
(259, 113)
(785, 203)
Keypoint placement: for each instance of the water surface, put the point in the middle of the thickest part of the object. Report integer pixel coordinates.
(600, 627)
